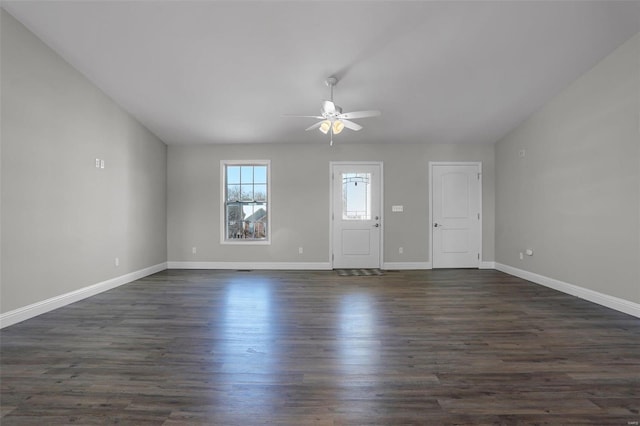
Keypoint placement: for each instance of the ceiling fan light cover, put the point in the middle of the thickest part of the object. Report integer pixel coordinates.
(338, 126)
(325, 126)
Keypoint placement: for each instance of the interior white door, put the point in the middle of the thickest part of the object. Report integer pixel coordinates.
(456, 225)
(356, 223)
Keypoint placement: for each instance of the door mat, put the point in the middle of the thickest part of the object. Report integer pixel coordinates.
(359, 272)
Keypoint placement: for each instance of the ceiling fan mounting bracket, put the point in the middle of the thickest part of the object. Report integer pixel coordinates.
(331, 81)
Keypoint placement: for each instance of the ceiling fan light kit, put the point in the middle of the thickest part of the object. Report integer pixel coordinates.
(325, 126)
(333, 120)
(337, 127)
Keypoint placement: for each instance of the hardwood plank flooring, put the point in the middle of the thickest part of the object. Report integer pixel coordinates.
(433, 347)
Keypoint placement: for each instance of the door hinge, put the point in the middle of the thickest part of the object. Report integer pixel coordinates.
(479, 175)
(478, 216)
(332, 257)
(478, 256)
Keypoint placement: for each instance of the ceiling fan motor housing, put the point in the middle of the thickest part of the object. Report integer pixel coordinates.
(333, 115)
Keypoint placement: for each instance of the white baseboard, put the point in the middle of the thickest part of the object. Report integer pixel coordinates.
(406, 265)
(487, 265)
(251, 265)
(21, 314)
(612, 302)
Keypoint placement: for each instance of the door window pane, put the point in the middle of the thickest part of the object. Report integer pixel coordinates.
(356, 196)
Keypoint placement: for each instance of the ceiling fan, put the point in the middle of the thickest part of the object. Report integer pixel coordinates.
(332, 119)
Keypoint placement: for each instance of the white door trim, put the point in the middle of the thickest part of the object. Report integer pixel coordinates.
(356, 163)
(430, 198)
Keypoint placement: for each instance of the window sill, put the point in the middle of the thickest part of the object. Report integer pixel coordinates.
(243, 242)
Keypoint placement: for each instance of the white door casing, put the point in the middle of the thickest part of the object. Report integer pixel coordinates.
(356, 222)
(456, 206)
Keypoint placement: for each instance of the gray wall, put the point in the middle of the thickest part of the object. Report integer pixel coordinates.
(575, 196)
(63, 221)
(300, 198)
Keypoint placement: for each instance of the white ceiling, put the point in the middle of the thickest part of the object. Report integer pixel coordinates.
(226, 71)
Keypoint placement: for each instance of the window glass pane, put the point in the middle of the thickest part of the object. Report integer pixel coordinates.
(246, 174)
(233, 192)
(261, 221)
(356, 196)
(260, 192)
(255, 220)
(260, 174)
(234, 221)
(233, 174)
(247, 193)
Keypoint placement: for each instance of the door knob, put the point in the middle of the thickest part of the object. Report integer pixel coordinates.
(377, 225)
(435, 225)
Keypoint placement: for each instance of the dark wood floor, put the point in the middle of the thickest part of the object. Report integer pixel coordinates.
(296, 348)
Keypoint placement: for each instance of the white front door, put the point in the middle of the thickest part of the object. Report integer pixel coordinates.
(456, 225)
(356, 192)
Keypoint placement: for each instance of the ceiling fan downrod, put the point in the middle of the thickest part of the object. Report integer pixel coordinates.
(331, 81)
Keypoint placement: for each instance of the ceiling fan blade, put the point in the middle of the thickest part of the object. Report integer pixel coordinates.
(303, 116)
(351, 125)
(315, 126)
(359, 114)
(328, 107)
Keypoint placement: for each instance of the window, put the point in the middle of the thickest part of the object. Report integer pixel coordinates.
(245, 192)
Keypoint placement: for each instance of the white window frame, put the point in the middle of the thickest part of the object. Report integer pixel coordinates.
(223, 190)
